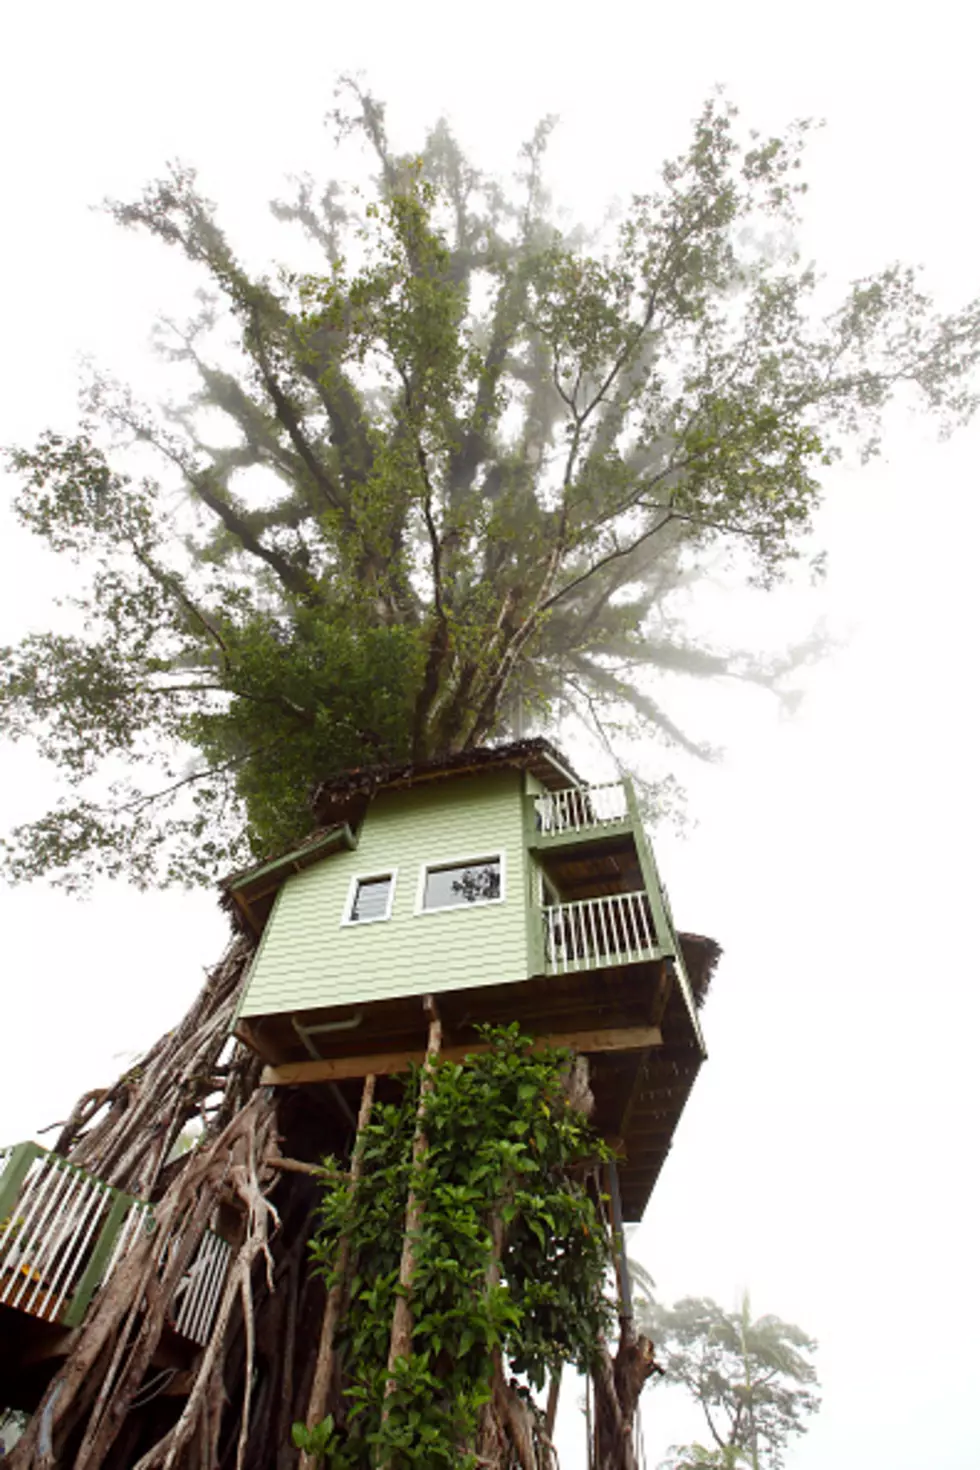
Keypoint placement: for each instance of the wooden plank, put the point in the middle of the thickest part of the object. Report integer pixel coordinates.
(339, 1069)
(543, 842)
(247, 1034)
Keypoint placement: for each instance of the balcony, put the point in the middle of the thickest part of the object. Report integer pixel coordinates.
(63, 1233)
(595, 933)
(578, 812)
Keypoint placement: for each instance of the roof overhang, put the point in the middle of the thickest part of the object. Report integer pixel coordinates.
(538, 756)
(251, 893)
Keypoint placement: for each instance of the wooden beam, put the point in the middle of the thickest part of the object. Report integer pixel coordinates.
(339, 1069)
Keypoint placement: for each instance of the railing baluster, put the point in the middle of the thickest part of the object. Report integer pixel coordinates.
(33, 1238)
(604, 925)
(208, 1276)
(36, 1185)
(71, 1266)
(127, 1237)
(646, 916)
(577, 808)
(641, 938)
(191, 1283)
(192, 1310)
(625, 920)
(210, 1285)
(60, 1235)
(215, 1287)
(614, 928)
(630, 921)
(593, 905)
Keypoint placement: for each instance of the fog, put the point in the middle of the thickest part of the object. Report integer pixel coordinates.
(827, 1158)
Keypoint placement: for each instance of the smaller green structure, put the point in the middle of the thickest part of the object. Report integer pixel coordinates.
(63, 1232)
(501, 885)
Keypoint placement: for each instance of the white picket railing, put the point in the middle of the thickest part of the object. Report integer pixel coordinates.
(139, 1217)
(580, 808)
(199, 1293)
(45, 1241)
(617, 929)
(51, 1235)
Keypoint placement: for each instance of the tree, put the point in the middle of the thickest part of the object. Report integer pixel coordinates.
(462, 468)
(752, 1378)
(465, 461)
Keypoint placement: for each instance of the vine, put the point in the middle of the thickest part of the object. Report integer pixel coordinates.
(511, 1262)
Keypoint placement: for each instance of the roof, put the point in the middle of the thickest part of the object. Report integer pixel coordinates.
(701, 956)
(243, 892)
(538, 756)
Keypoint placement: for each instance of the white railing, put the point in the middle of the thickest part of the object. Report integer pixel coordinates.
(139, 1218)
(45, 1240)
(617, 929)
(62, 1235)
(579, 808)
(199, 1293)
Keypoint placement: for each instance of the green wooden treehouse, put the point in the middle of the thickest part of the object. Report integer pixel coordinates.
(497, 884)
(502, 885)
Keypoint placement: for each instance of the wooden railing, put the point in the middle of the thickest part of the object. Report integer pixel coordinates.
(617, 929)
(63, 1232)
(580, 808)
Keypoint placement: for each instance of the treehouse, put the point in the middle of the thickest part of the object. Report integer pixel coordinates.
(505, 888)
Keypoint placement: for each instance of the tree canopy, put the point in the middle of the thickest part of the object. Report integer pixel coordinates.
(753, 1379)
(446, 480)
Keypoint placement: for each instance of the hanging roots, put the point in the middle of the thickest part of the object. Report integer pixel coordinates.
(475, 1187)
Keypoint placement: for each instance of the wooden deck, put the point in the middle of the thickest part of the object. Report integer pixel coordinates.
(631, 1021)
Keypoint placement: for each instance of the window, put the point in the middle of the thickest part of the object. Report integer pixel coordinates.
(472, 881)
(370, 899)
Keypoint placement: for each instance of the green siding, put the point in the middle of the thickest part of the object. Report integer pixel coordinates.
(308, 959)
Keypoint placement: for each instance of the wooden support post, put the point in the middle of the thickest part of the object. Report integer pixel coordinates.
(98, 1260)
(15, 1172)
(401, 1324)
(323, 1374)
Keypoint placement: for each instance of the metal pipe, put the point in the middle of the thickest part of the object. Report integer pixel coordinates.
(322, 1027)
(304, 1033)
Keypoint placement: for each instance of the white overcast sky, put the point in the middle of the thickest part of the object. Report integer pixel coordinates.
(828, 1159)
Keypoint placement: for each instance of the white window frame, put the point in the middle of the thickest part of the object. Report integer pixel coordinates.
(461, 862)
(347, 922)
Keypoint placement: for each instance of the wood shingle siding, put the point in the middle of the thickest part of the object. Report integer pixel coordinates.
(309, 958)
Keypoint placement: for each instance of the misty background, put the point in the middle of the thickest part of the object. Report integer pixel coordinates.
(827, 1160)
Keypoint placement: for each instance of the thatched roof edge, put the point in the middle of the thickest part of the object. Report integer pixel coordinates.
(524, 753)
